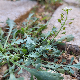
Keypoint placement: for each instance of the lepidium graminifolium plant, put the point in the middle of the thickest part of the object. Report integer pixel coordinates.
(22, 49)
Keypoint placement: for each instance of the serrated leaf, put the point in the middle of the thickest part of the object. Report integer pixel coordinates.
(10, 23)
(17, 42)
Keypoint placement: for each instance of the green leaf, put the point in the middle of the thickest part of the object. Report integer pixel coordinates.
(41, 75)
(24, 23)
(44, 75)
(72, 60)
(42, 27)
(38, 61)
(45, 55)
(1, 32)
(56, 53)
(30, 15)
(71, 71)
(1, 55)
(63, 32)
(75, 65)
(10, 23)
(29, 41)
(24, 51)
(38, 65)
(48, 34)
(59, 20)
(64, 28)
(65, 68)
(1, 47)
(21, 60)
(44, 18)
(72, 19)
(68, 38)
(61, 70)
(17, 42)
(19, 31)
(55, 60)
(70, 22)
(62, 16)
(28, 62)
(54, 67)
(63, 60)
